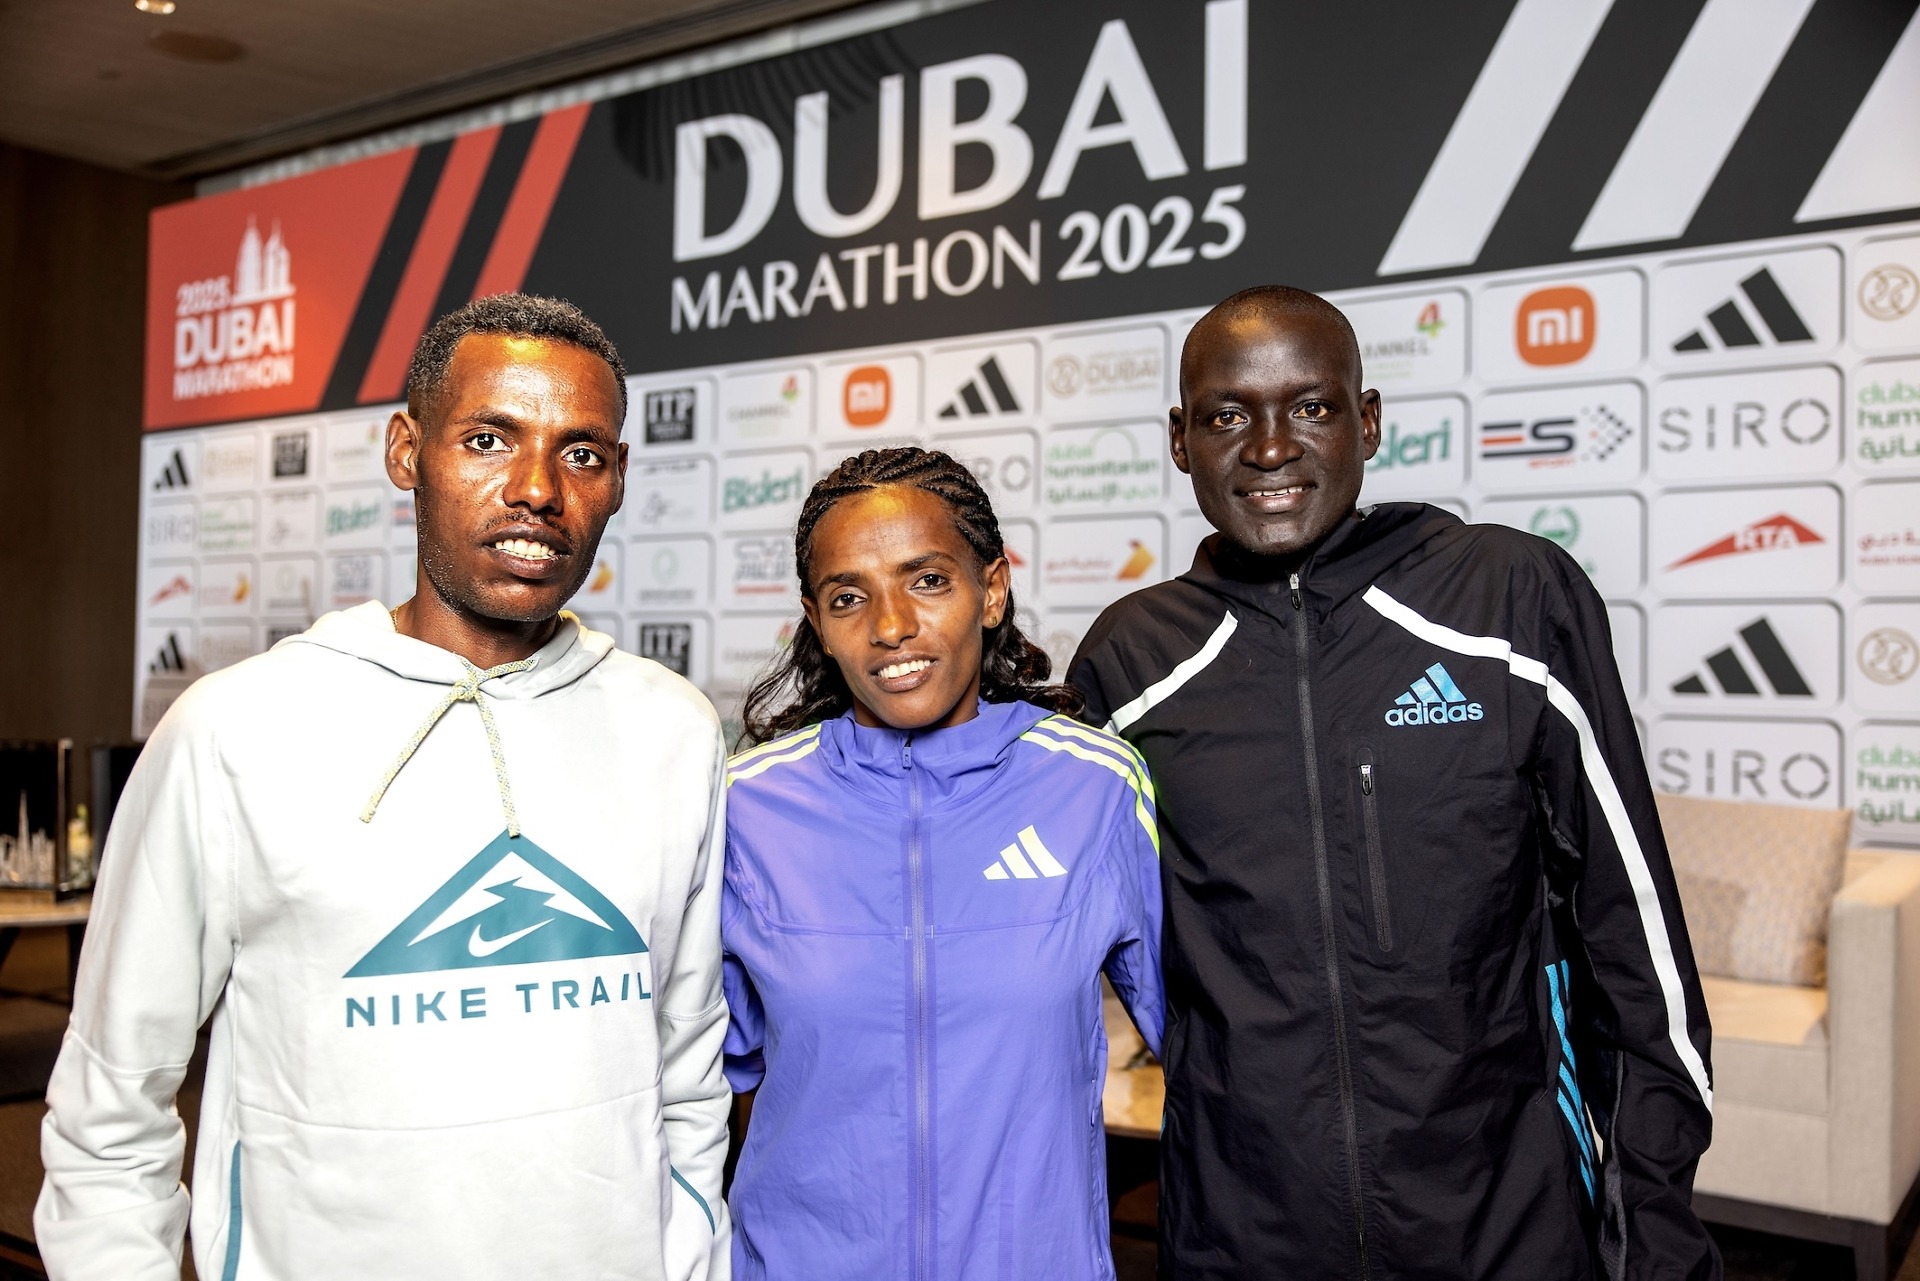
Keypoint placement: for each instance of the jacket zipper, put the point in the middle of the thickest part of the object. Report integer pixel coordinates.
(922, 1104)
(1324, 883)
(1376, 861)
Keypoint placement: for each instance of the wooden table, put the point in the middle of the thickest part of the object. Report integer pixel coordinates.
(72, 913)
(1132, 1097)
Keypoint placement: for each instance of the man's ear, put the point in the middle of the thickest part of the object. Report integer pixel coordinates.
(1177, 437)
(1370, 421)
(998, 578)
(405, 436)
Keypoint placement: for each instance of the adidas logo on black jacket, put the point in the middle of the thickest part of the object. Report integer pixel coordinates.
(1420, 918)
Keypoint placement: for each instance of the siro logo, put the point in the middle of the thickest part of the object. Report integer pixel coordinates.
(741, 494)
(1554, 326)
(668, 644)
(1433, 700)
(512, 904)
(1413, 448)
(867, 396)
(670, 415)
(1026, 859)
(1775, 533)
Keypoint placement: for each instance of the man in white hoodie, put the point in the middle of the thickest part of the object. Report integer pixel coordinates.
(447, 882)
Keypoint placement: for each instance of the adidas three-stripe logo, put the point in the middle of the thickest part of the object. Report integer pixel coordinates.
(1434, 699)
(1021, 859)
(971, 400)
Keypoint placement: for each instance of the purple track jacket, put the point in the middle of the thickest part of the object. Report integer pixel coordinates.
(915, 924)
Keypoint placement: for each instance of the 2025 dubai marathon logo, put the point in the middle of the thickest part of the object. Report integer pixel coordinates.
(235, 333)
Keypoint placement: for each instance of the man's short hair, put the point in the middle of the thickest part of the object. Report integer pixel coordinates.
(516, 316)
(1275, 300)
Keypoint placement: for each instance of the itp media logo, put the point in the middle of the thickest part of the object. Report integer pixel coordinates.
(1555, 326)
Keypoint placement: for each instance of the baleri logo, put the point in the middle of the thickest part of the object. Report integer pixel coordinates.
(235, 333)
(866, 398)
(743, 493)
(1555, 326)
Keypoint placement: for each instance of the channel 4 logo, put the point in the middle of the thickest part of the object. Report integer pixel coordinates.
(669, 415)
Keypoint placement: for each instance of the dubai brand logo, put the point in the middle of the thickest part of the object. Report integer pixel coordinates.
(1731, 328)
(867, 396)
(1554, 326)
(512, 904)
(1775, 533)
(988, 383)
(1729, 668)
(1433, 699)
(1889, 291)
(1026, 859)
(669, 415)
(235, 333)
(1888, 656)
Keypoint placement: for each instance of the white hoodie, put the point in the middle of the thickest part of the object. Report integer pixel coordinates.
(438, 1050)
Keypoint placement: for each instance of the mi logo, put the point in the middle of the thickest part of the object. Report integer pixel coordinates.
(867, 397)
(1554, 326)
(1019, 861)
(1730, 326)
(174, 474)
(989, 382)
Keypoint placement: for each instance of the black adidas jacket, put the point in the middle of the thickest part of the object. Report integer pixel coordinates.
(1420, 917)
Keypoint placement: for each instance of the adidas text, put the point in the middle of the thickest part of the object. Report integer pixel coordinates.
(1435, 714)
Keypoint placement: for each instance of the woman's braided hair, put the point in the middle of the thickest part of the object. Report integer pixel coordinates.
(804, 685)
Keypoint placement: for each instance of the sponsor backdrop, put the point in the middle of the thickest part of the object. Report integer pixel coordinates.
(1643, 279)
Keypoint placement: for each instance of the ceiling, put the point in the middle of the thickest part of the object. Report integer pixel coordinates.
(101, 81)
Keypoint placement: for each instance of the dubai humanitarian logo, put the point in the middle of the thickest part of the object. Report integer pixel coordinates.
(1889, 291)
(512, 904)
(235, 333)
(1732, 329)
(1888, 656)
(1733, 667)
(1433, 699)
(1554, 326)
(1026, 859)
(989, 384)
(1774, 534)
(867, 396)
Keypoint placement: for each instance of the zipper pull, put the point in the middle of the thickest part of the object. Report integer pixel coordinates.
(906, 753)
(1366, 779)
(1293, 589)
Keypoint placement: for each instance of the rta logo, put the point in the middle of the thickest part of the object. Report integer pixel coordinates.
(867, 397)
(1554, 326)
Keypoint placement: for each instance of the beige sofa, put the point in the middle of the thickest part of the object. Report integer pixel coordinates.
(1816, 1117)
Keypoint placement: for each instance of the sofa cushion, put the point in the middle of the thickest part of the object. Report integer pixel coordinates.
(1756, 882)
(1769, 1044)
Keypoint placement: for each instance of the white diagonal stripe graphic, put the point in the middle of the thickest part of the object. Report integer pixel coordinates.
(1493, 137)
(1042, 856)
(1872, 169)
(1169, 685)
(1021, 868)
(1691, 124)
(995, 872)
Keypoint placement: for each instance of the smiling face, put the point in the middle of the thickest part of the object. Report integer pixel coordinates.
(901, 606)
(515, 469)
(1273, 426)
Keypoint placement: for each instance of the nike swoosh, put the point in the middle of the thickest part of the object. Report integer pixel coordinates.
(487, 947)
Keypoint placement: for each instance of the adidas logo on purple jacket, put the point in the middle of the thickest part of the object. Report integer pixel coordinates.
(927, 1039)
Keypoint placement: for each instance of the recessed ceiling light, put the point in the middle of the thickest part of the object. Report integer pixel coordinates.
(154, 6)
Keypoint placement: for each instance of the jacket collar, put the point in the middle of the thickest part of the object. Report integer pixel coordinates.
(950, 763)
(1343, 564)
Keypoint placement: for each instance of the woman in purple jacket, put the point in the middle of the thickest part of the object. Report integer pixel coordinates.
(929, 865)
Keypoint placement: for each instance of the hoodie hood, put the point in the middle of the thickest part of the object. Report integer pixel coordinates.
(367, 632)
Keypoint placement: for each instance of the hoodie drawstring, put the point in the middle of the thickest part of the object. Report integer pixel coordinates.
(467, 690)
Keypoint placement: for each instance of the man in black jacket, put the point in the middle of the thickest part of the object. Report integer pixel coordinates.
(1422, 936)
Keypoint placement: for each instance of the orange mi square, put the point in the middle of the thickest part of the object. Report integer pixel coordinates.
(1554, 326)
(867, 396)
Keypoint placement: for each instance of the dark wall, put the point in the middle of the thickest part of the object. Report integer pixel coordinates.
(73, 264)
